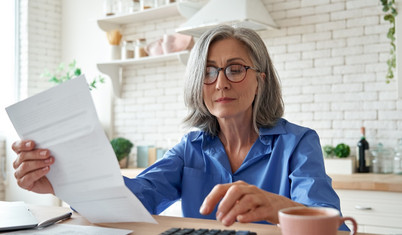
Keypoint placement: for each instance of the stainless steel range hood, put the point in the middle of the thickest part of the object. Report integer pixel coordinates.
(245, 13)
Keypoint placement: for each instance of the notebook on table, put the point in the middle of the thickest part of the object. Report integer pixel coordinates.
(16, 215)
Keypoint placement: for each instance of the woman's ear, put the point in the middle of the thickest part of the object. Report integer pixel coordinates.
(263, 76)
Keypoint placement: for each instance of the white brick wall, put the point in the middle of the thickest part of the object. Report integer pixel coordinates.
(331, 57)
(40, 43)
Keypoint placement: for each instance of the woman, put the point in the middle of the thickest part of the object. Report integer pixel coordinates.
(245, 162)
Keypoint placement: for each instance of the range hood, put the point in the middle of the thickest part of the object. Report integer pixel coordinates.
(241, 13)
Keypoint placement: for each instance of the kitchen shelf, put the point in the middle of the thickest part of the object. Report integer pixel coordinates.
(114, 68)
(186, 9)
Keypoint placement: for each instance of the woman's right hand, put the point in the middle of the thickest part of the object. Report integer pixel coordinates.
(31, 167)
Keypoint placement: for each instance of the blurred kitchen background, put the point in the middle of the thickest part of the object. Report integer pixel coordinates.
(331, 56)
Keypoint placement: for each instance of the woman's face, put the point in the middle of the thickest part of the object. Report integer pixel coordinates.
(225, 99)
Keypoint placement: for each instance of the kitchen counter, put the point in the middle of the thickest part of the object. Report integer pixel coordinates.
(368, 181)
(362, 181)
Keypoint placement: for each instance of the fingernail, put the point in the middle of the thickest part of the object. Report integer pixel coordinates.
(49, 160)
(202, 209)
(45, 168)
(43, 153)
(28, 144)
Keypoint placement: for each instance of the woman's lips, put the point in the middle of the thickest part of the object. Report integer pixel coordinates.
(224, 100)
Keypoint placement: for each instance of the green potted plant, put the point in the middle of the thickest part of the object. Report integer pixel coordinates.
(63, 73)
(328, 151)
(342, 150)
(122, 148)
(337, 159)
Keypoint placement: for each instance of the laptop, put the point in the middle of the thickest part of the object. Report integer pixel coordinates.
(15, 216)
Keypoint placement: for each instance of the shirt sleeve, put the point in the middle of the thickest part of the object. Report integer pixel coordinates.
(159, 186)
(310, 185)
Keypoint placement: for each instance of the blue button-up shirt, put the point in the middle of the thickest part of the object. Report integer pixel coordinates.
(286, 160)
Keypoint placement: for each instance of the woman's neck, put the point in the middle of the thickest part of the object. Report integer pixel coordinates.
(237, 139)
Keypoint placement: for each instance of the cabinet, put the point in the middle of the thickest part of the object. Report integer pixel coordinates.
(377, 212)
(114, 69)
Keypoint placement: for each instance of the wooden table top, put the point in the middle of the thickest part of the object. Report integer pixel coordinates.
(164, 223)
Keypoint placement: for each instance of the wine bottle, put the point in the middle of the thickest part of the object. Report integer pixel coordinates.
(362, 152)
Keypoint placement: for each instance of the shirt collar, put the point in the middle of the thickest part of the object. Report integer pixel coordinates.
(265, 133)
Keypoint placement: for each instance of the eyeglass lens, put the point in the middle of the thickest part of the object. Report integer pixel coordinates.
(235, 73)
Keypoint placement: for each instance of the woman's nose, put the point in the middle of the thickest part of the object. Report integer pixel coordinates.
(222, 82)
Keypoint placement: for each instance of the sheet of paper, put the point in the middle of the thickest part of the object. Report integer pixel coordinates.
(86, 172)
(73, 229)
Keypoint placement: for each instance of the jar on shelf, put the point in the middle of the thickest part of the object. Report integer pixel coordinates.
(128, 49)
(108, 7)
(134, 6)
(398, 158)
(123, 6)
(383, 160)
(147, 4)
(140, 48)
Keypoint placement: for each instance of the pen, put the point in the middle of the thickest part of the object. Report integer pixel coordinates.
(54, 220)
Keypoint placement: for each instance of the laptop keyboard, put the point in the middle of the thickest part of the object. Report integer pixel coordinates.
(192, 231)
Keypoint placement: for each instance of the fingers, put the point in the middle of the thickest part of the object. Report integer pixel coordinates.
(31, 167)
(240, 199)
(237, 201)
(253, 215)
(213, 198)
(23, 145)
(226, 194)
(29, 180)
(37, 154)
(27, 167)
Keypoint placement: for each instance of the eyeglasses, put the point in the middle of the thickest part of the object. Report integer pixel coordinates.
(234, 73)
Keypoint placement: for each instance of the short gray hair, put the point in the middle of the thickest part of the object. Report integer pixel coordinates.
(268, 105)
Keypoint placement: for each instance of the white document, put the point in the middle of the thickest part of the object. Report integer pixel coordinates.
(86, 173)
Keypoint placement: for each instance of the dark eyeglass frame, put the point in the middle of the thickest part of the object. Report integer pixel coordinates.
(226, 68)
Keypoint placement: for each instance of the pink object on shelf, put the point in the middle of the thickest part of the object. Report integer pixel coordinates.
(154, 48)
(176, 42)
(170, 43)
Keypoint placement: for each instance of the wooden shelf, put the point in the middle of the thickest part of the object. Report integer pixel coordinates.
(114, 68)
(186, 9)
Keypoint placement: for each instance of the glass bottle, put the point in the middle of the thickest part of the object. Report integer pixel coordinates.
(140, 48)
(398, 158)
(363, 153)
(387, 160)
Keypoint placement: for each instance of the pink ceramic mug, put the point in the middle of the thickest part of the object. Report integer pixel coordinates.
(312, 221)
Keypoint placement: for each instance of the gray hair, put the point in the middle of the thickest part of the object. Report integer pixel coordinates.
(268, 105)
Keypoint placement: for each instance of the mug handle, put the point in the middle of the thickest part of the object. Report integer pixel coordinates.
(343, 219)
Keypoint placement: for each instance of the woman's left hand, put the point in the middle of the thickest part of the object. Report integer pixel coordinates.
(244, 203)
